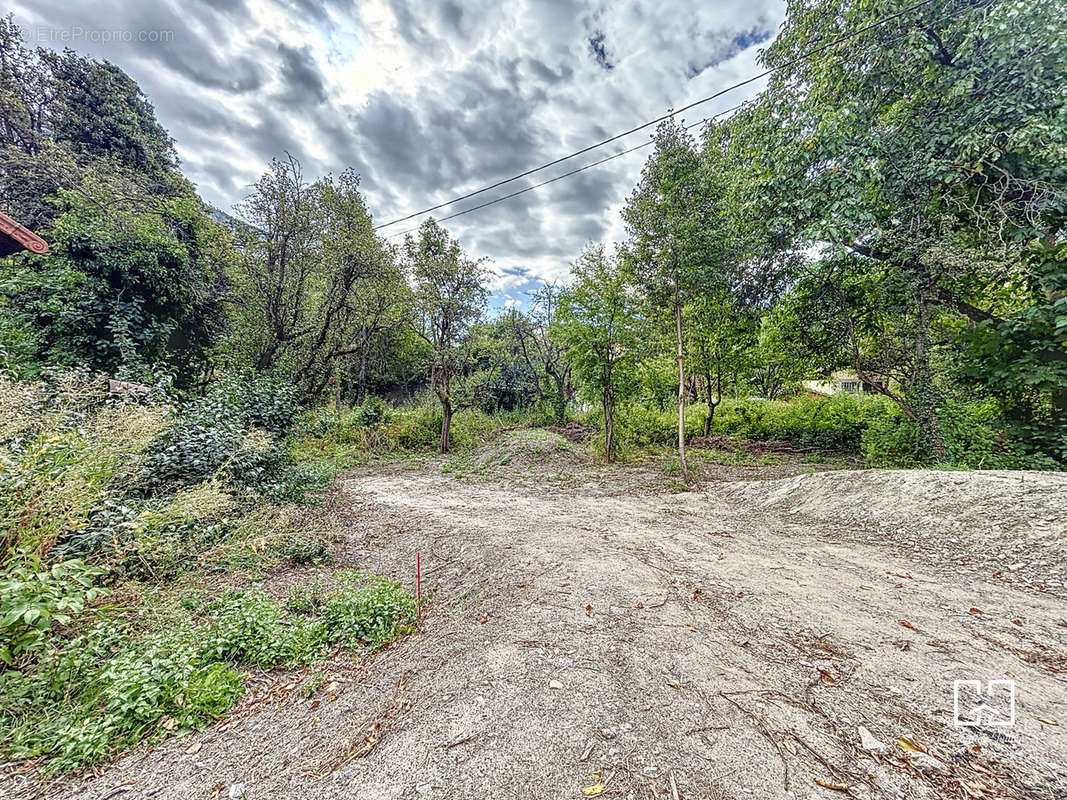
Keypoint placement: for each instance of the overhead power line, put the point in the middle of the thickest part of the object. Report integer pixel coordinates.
(802, 57)
(561, 177)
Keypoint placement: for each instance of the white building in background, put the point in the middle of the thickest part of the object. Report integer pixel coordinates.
(845, 382)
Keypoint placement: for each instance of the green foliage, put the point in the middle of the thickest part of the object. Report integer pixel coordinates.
(833, 423)
(450, 298)
(319, 293)
(306, 547)
(127, 291)
(34, 598)
(975, 433)
(342, 436)
(599, 324)
(229, 429)
(63, 448)
(64, 114)
(108, 687)
(367, 610)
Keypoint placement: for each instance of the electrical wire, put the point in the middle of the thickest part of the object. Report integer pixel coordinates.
(562, 176)
(802, 57)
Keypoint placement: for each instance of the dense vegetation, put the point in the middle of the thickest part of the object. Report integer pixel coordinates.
(893, 206)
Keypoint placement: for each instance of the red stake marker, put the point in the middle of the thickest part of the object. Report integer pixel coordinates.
(418, 584)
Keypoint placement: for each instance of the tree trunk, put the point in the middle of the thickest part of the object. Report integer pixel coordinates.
(924, 385)
(609, 426)
(681, 378)
(559, 402)
(712, 405)
(361, 379)
(446, 423)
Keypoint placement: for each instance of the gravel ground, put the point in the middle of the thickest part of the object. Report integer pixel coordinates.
(726, 642)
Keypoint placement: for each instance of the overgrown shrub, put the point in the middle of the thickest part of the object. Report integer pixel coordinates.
(34, 597)
(975, 435)
(108, 687)
(63, 446)
(377, 429)
(827, 423)
(367, 610)
(232, 427)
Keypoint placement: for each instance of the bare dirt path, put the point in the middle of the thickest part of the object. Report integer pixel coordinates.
(727, 642)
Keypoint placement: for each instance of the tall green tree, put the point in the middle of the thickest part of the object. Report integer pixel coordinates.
(722, 338)
(126, 288)
(599, 324)
(544, 353)
(450, 297)
(62, 114)
(313, 286)
(930, 151)
(673, 242)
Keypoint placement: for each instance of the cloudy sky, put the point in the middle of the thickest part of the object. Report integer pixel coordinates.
(426, 99)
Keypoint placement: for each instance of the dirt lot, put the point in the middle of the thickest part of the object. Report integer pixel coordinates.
(587, 633)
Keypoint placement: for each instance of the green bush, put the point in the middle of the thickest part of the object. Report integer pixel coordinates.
(893, 441)
(827, 423)
(232, 428)
(974, 433)
(107, 688)
(33, 598)
(834, 423)
(375, 428)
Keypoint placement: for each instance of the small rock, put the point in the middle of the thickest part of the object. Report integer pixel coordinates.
(871, 744)
(927, 764)
(237, 791)
(555, 685)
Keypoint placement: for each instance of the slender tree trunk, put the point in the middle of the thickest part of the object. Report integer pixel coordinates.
(711, 408)
(361, 379)
(681, 377)
(609, 425)
(560, 405)
(446, 423)
(924, 384)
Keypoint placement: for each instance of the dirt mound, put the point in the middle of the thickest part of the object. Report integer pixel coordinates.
(1003, 524)
(528, 447)
(981, 499)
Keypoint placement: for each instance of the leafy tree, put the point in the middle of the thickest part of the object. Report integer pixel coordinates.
(926, 151)
(542, 350)
(598, 323)
(137, 268)
(314, 286)
(62, 114)
(779, 361)
(722, 336)
(123, 290)
(450, 297)
(513, 381)
(672, 247)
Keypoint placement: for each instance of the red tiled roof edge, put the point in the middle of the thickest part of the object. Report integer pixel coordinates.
(23, 235)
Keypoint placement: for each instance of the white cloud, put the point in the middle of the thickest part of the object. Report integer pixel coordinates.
(431, 100)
